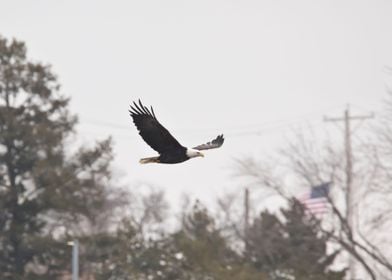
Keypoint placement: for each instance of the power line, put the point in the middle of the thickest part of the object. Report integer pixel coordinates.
(252, 132)
(233, 130)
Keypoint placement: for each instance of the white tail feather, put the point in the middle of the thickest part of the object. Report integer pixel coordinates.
(149, 160)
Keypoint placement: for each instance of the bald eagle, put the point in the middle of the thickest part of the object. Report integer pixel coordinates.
(159, 138)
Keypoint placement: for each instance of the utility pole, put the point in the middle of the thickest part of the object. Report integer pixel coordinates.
(349, 173)
(246, 215)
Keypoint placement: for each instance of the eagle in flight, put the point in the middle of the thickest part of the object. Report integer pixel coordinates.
(159, 138)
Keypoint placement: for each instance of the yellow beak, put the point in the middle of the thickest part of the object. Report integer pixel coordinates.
(201, 154)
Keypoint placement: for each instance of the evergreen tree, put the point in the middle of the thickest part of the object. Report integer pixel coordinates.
(43, 190)
(196, 252)
(291, 249)
(207, 253)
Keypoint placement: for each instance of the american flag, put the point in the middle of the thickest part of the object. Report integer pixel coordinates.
(315, 201)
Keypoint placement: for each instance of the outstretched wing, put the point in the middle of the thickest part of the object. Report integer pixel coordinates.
(152, 132)
(216, 143)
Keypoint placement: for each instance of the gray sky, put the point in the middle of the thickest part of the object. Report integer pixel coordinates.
(248, 69)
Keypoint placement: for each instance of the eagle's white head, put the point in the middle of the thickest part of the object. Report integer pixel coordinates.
(191, 153)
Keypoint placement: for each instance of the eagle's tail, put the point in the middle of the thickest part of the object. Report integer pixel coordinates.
(149, 160)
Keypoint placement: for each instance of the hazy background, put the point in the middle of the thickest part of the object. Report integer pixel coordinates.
(249, 69)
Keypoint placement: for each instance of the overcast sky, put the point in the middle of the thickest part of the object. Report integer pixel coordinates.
(249, 69)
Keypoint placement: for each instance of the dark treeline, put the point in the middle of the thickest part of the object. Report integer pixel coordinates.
(49, 196)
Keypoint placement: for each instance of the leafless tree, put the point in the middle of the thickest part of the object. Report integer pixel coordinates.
(148, 211)
(304, 162)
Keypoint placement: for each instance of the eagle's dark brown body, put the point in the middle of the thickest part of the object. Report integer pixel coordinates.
(159, 138)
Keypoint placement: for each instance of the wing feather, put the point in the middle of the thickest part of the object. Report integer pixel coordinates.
(152, 132)
(216, 143)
